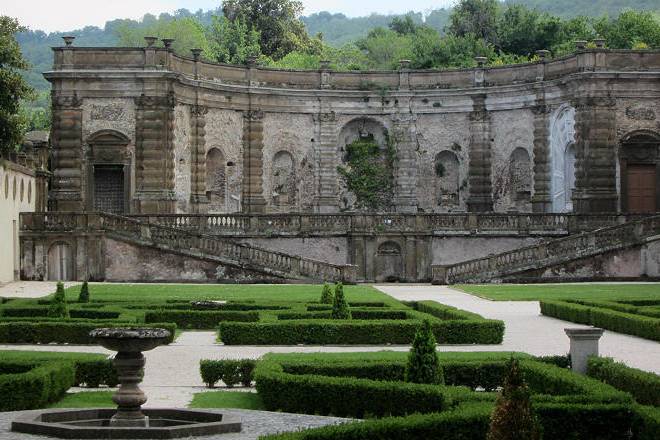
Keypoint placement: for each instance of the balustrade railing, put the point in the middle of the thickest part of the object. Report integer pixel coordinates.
(550, 252)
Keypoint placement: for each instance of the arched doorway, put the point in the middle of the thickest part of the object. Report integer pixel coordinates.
(389, 262)
(640, 172)
(60, 262)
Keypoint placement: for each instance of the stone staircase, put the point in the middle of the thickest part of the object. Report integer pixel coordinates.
(213, 248)
(550, 253)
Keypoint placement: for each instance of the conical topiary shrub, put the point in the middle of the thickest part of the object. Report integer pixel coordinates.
(58, 308)
(340, 308)
(513, 417)
(423, 364)
(84, 293)
(326, 294)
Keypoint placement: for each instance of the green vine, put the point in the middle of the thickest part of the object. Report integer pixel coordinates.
(370, 173)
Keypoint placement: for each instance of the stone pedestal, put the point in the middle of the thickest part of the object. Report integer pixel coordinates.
(584, 343)
(129, 398)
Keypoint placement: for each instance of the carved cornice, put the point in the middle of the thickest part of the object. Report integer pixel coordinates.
(145, 101)
(66, 101)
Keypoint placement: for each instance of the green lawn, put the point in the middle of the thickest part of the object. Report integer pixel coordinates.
(24, 355)
(227, 399)
(236, 292)
(531, 292)
(86, 399)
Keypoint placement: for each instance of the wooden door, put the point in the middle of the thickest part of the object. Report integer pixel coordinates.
(641, 189)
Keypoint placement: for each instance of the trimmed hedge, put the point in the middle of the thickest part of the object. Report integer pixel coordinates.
(644, 386)
(60, 332)
(466, 423)
(365, 314)
(350, 332)
(344, 396)
(443, 312)
(230, 372)
(317, 307)
(39, 312)
(199, 319)
(642, 326)
(646, 422)
(36, 387)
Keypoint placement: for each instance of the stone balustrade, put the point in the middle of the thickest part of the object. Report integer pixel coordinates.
(153, 58)
(549, 253)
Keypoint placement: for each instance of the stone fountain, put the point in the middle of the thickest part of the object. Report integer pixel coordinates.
(129, 420)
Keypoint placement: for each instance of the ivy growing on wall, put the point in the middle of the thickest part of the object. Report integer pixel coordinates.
(369, 173)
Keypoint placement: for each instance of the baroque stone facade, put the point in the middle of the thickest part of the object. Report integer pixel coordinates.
(178, 135)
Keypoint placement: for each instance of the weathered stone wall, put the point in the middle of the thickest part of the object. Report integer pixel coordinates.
(451, 250)
(332, 250)
(108, 114)
(182, 158)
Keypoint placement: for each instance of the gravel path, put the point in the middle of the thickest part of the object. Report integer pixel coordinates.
(529, 331)
(255, 424)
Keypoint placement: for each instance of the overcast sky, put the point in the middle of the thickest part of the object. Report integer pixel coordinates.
(64, 15)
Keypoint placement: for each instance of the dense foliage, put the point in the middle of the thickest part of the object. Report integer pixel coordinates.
(340, 309)
(644, 386)
(327, 296)
(231, 372)
(84, 293)
(13, 87)
(58, 307)
(29, 386)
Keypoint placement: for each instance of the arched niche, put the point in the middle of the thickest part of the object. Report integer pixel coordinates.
(363, 128)
(60, 262)
(216, 180)
(520, 175)
(283, 180)
(447, 186)
(109, 172)
(639, 156)
(562, 158)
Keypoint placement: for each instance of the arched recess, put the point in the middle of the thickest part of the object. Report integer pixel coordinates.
(60, 262)
(109, 172)
(520, 175)
(562, 158)
(639, 157)
(283, 180)
(216, 180)
(447, 186)
(389, 262)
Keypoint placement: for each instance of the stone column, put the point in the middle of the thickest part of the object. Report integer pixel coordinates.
(42, 175)
(154, 154)
(480, 198)
(66, 139)
(327, 199)
(595, 156)
(584, 343)
(198, 200)
(405, 166)
(542, 200)
(253, 144)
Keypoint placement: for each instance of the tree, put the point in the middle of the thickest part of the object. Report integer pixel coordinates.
(630, 28)
(423, 364)
(84, 293)
(403, 25)
(58, 307)
(475, 17)
(340, 308)
(233, 41)
(188, 33)
(326, 294)
(280, 29)
(13, 88)
(523, 31)
(513, 417)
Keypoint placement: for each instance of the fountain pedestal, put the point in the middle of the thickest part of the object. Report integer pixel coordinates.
(129, 363)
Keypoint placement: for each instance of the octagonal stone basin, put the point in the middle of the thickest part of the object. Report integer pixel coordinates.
(95, 424)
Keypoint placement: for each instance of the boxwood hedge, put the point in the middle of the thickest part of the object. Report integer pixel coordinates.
(199, 319)
(638, 325)
(644, 386)
(36, 385)
(60, 331)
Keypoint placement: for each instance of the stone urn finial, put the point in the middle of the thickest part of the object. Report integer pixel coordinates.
(150, 41)
(481, 61)
(580, 44)
(599, 42)
(543, 54)
(325, 64)
(251, 60)
(196, 53)
(68, 40)
(404, 64)
(129, 343)
(167, 42)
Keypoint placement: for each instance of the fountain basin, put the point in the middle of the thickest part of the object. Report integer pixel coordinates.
(96, 424)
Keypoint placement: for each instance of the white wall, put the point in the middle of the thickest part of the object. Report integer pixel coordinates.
(17, 194)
